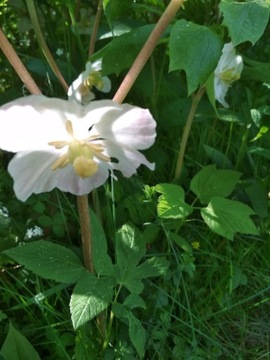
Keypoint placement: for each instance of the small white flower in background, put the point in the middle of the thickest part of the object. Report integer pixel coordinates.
(4, 212)
(80, 89)
(227, 71)
(74, 148)
(35, 231)
(59, 52)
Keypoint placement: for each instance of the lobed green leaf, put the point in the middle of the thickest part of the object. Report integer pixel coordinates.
(48, 260)
(210, 182)
(195, 49)
(227, 217)
(171, 204)
(246, 21)
(102, 262)
(90, 296)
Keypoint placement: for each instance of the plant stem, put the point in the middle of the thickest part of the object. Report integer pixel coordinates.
(82, 202)
(147, 50)
(180, 159)
(43, 45)
(18, 65)
(95, 29)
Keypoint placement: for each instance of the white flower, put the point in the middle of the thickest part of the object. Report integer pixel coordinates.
(33, 232)
(80, 89)
(227, 71)
(61, 144)
(4, 212)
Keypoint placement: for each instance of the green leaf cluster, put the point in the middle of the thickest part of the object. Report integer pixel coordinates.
(93, 293)
(211, 186)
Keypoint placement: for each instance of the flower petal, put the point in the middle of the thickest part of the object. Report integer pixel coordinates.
(95, 66)
(80, 93)
(106, 84)
(227, 71)
(31, 122)
(130, 125)
(221, 89)
(32, 174)
(128, 159)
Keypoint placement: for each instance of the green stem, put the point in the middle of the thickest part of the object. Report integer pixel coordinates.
(242, 151)
(180, 159)
(74, 20)
(109, 331)
(42, 43)
(147, 50)
(18, 65)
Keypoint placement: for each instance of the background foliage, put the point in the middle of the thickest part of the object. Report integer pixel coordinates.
(182, 266)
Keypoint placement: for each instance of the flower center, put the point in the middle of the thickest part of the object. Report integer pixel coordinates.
(80, 153)
(229, 76)
(94, 79)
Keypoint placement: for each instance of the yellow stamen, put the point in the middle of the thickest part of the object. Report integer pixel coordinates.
(80, 153)
(69, 128)
(61, 162)
(58, 144)
(229, 76)
(94, 79)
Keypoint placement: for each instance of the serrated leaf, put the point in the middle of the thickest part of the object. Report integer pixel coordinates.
(210, 182)
(246, 21)
(48, 260)
(130, 248)
(102, 262)
(152, 267)
(134, 301)
(17, 347)
(196, 49)
(227, 217)
(90, 296)
(121, 52)
(171, 204)
(137, 333)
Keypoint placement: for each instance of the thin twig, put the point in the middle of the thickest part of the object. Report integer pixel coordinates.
(147, 50)
(83, 209)
(95, 29)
